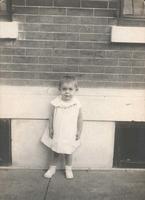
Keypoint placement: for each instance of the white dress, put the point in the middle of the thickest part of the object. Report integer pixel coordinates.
(64, 126)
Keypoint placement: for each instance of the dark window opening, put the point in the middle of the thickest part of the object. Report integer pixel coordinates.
(129, 150)
(5, 142)
(5, 10)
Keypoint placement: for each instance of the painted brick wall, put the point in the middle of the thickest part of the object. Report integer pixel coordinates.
(59, 37)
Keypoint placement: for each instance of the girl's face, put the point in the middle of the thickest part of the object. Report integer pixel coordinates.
(67, 91)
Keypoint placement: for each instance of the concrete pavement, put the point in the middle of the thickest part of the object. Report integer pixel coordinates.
(95, 185)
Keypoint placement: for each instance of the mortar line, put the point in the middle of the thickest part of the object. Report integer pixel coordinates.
(46, 192)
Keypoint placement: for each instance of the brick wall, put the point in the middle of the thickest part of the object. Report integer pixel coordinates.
(59, 37)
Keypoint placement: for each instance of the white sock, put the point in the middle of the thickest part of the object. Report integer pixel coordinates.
(68, 172)
(50, 172)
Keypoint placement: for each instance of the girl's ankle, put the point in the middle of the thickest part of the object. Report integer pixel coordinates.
(52, 167)
(69, 167)
(50, 172)
(68, 172)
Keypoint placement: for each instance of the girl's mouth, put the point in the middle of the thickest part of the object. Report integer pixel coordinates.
(67, 96)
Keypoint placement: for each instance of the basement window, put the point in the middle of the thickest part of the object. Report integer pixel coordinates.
(132, 8)
(129, 145)
(5, 142)
(5, 10)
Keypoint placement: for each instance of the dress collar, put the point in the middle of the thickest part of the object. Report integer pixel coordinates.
(58, 102)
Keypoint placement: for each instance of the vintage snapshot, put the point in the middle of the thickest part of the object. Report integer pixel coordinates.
(72, 99)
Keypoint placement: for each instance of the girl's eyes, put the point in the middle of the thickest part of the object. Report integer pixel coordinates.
(64, 89)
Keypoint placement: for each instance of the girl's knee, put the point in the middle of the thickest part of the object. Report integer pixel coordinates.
(68, 155)
(56, 154)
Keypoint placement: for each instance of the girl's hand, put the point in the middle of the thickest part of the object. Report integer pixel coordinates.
(77, 136)
(51, 134)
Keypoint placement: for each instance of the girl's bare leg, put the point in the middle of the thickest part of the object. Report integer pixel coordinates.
(52, 169)
(68, 166)
(54, 158)
(68, 159)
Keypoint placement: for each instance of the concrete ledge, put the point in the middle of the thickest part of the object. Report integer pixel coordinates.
(128, 34)
(9, 30)
(98, 104)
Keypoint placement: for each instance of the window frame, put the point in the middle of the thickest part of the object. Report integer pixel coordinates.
(121, 15)
(7, 15)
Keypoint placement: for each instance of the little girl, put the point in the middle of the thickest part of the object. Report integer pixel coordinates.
(65, 125)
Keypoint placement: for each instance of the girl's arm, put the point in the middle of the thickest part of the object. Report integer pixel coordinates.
(79, 124)
(51, 113)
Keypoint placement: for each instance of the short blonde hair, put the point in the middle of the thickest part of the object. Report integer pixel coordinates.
(68, 79)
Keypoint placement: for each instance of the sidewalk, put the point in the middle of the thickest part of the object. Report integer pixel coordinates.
(87, 185)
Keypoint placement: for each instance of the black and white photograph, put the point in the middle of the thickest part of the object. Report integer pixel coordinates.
(72, 99)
